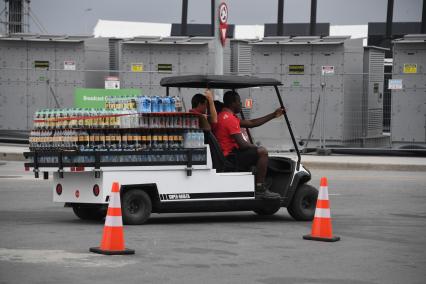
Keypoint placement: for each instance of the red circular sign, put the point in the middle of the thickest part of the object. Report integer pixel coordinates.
(223, 13)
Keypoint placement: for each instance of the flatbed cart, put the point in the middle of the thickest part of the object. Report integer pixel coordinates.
(176, 180)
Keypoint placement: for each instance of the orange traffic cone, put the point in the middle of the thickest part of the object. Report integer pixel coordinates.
(113, 236)
(321, 227)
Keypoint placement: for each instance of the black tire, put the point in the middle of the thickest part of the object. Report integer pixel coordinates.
(89, 213)
(136, 207)
(302, 207)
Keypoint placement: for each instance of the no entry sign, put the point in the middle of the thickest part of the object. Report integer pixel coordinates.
(223, 22)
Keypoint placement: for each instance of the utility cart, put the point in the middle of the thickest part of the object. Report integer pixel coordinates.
(170, 167)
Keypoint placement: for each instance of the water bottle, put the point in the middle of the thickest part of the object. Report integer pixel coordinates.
(147, 104)
(154, 104)
(172, 104)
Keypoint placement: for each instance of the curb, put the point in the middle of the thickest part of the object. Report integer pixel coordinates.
(363, 166)
(12, 157)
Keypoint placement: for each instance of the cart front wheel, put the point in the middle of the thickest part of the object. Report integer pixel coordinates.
(302, 207)
(136, 207)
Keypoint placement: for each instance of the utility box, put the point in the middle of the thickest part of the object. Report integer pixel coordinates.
(408, 118)
(372, 102)
(317, 73)
(42, 71)
(144, 61)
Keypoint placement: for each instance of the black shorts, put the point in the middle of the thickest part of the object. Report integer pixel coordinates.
(243, 159)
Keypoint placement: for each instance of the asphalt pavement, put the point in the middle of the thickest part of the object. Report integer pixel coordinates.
(379, 215)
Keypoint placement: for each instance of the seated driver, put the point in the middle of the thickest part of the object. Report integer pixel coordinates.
(235, 146)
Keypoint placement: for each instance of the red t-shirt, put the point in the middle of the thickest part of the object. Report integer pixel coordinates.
(227, 124)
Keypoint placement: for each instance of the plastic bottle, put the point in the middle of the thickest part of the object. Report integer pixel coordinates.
(178, 104)
(172, 104)
(154, 104)
(147, 104)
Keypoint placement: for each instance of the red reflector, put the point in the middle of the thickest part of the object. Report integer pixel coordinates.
(79, 169)
(96, 190)
(27, 169)
(58, 189)
(77, 193)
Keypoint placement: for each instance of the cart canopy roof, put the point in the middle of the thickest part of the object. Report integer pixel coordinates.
(217, 82)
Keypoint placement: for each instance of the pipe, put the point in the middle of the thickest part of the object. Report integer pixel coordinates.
(423, 29)
(184, 22)
(312, 27)
(389, 19)
(280, 19)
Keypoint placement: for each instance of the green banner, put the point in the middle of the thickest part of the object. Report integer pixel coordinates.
(95, 98)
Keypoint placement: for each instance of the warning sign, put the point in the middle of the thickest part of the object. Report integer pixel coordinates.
(249, 103)
(112, 82)
(137, 67)
(410, 68)
(327, 70)
(41, 64)
(69, 65)
(395, 84)
(296, 69)
(164, 67)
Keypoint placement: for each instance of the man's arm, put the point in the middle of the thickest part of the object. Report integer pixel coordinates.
(212, 109)
(242, 143)
(261, 120)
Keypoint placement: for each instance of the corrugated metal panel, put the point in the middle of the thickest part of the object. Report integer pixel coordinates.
(241, 62)
(376, 66)
(375, 121)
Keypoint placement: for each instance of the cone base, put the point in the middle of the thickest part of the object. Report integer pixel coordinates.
(112, 252)
(312, 238)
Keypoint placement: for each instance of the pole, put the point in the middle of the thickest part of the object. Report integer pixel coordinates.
(212, 26)
(184, 21)
(218, 48)
(423, 29)
(280, 19)
(312, 27)
(389, 19)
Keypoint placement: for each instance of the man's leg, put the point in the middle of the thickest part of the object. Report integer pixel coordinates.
(262, 191)
(262, 164)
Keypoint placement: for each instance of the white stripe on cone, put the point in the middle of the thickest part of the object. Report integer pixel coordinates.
(115, 200)
(113, 221)
(323, 193)
(322, 212)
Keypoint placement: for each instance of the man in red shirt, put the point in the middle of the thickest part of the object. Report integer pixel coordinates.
(236, 148)
(200, 103)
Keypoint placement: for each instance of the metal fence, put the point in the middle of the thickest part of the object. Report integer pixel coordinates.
(340, 110)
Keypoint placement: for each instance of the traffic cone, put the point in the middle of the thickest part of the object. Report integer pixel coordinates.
(321, 227)
(113, 237)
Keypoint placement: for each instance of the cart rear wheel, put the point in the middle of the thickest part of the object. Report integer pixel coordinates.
(302, 207)
(136, 207)
(89, 213)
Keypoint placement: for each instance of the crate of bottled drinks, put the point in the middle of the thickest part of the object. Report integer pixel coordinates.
(128, 131)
